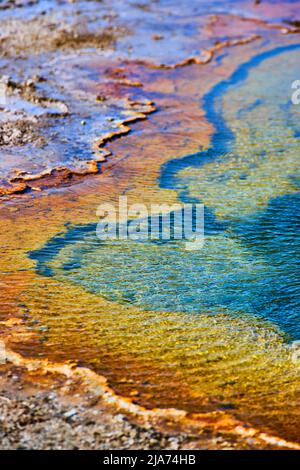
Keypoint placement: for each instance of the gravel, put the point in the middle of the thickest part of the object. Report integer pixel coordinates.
(42, 421)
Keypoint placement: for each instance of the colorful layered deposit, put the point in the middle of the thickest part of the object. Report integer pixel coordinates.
(203, 331)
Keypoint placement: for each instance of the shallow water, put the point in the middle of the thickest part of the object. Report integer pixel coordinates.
(202, 331)
(249, 181)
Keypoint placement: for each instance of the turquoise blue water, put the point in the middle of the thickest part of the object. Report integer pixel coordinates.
(248, 180)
